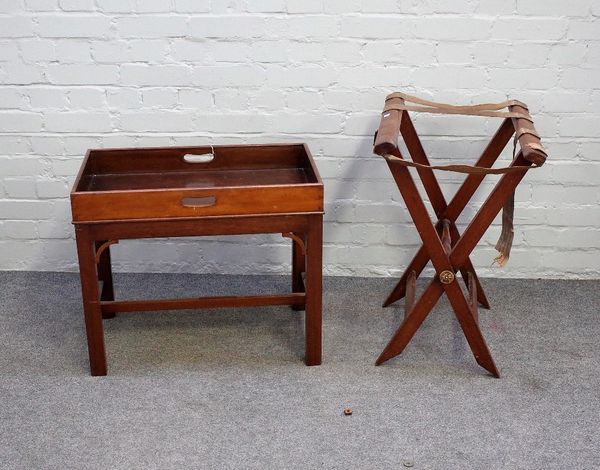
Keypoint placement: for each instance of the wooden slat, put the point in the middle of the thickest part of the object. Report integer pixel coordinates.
(472, 286)
(202, 302)
(446, 239)
(411, 288)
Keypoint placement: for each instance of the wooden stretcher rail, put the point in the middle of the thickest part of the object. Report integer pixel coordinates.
(202, 302)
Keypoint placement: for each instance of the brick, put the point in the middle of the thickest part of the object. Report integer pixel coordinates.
(116, 6)
(574, 79)
(18, 229)
(9, 50)
(231, 99)
(77, 5)
(47, 189)
(529, 28)
(62, 26)
(47, 146)
(44, 98)
(230, 27)
(37, 50)
(439, 6)
(78, 121)
(580, 126)
(41, 5)
(73, 51)
(381, 6)
(266, 99)
(194, 98)
(159, 97)
(452, 28)
(65, 166)
(86, 98)
(22, 74)
(16, 27)
(25, 210)
(342, 52)
(228, 75)
(454, 53)
(139, 74)
(153, 6)
(341, 6)
(20, 122)
(566, 102)
(308, 123)
(124, 98)
(11, 98)
(269, 51)
(242, 123)
(496, 7)
(164, 121)
(19, 166)
(9, 6)
(192, 6)
(54, 229)
(568, 54)
(301, 76)
(555, 8)
(304, 6)
(377, 28)
(82, 74)
(303, 26)
(151, 26)
(20, 188)
(519, 79)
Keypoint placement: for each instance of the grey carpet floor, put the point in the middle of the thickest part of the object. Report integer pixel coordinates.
(227, 389)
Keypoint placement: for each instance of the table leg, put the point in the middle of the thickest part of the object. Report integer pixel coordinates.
(91, 301)
(105, 275)
(298, 267)
(314, 282)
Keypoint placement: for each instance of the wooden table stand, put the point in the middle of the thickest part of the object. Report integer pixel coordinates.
(149, 193)
(442, 243)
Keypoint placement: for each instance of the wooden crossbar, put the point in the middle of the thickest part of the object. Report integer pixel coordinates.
(298, 299)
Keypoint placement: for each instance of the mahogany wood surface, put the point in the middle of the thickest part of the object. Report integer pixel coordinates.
(256, 189)
(202, 302)
(160, 183)
(442, 243)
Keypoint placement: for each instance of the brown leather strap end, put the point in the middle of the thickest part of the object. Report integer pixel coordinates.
(386, 139)
(529, 140)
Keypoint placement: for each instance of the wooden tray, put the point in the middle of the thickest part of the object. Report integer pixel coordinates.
(176, 182)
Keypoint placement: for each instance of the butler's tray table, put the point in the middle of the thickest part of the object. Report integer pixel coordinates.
(195, 191)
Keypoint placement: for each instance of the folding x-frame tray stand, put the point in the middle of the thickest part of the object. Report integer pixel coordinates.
(442, 243)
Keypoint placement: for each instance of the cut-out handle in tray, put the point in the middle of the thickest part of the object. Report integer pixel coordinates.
(202, 158)
(205, 201)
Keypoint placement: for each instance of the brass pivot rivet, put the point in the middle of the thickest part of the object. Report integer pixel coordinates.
(446, 277)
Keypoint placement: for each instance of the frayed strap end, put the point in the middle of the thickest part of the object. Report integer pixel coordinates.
(506, 236)
(501, 260)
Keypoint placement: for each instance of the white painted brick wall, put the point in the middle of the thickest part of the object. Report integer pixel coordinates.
(76, 74)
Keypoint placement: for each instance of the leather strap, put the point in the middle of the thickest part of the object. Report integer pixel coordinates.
(468, 169)
(434, 104)
(505, 241)
(426, 106)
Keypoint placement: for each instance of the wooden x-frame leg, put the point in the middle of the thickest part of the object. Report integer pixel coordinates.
(443, 210)
(456, 258)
